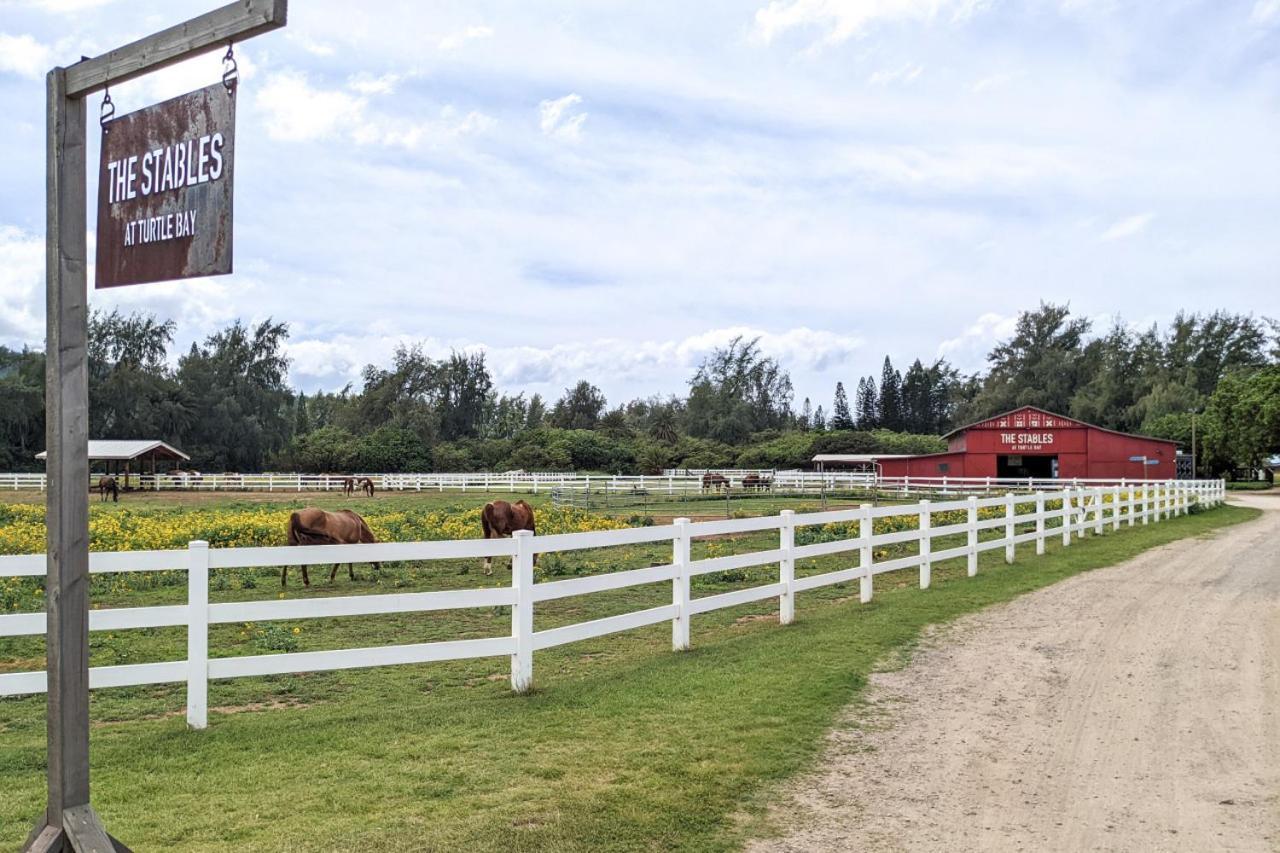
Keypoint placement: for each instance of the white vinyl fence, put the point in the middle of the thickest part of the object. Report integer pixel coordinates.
(671, 483)
(1082, 510)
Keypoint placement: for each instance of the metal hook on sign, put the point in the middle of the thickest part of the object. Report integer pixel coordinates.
(108, 109)
(230, 73)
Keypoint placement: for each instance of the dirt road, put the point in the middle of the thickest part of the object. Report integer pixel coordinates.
(1135, 708)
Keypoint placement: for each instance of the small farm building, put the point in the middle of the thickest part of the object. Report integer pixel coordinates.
(136, 456)
(1030, 442)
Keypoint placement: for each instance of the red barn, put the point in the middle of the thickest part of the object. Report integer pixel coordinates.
(1030, 442)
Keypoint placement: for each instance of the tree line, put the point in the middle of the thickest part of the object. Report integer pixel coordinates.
(228, 403)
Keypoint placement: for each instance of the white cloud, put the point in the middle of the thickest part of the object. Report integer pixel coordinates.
(906, 74)
(1128, 227)
(1265, 12)
(969, 350)
(556, 117)
(21, 283)
(298, 112)
(367, 84)
(455, 40)
(59, 7)
(310, 45)
(24, 56)
(338, 359)
(843, 19)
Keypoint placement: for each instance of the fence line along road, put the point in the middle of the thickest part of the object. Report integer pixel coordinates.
(1093, 508)
(671, 484)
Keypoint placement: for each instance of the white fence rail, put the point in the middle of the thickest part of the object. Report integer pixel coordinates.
(687, 483)
(1093, 508)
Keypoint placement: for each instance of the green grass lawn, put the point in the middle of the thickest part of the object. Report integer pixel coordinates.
(624, 745)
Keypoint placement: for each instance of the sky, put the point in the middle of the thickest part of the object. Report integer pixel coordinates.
(610, 190)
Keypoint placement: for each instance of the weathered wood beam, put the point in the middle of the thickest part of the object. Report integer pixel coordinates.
(233, 22)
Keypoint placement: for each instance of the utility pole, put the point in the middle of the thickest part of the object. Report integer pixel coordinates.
(69, 822)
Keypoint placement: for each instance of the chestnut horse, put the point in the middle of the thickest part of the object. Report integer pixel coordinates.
(313, 526)
(365, 485)
(500, 518)
(108, 484)
(711, 480)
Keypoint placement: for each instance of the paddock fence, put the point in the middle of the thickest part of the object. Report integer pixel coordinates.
(570, 486)
(1076, 511)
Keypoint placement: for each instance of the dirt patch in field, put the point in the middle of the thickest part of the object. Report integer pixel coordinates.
(1129, 708)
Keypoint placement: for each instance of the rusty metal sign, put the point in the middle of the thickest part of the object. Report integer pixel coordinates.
(165, 190)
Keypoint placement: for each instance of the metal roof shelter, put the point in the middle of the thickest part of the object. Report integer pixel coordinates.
(120, 454)
(127, 450)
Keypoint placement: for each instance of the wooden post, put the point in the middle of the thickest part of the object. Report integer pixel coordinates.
(787, 568)
(69, 822)
(67, 501)
(680, 586)
(1066, 516)
(1009, 528)
(926, 546)
(865, 527)
(198, 634)
(972, 538)
(1039, 523)
(522, 613)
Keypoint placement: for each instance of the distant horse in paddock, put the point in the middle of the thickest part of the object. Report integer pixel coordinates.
(500, 518)
(348, 487)
(757, 483)
(108, 485)
(366, 485)
(312, 526)
(712, 480)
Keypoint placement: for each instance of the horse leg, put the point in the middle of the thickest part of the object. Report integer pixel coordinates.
(351, 571)
(333, 573)
(306, 578)
(284, 573)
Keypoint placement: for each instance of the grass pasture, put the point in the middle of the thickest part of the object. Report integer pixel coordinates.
(623, 745)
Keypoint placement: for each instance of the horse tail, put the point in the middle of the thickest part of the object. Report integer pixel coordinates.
(484, 521)
(294, 539)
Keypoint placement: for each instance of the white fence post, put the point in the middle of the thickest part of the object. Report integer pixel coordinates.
(865, 525)
(522, 613)
(926, 546)
(787, 568)
(680, 548)
(1066, 517)
(1039, 523)
(1009, 529)
(198, 634)
(1115, 507)
(1146, 504)
(972, 521)
(1097, 511)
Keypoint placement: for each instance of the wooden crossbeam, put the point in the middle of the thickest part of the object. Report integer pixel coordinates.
(233, 22)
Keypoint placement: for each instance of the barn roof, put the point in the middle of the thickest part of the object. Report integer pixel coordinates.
(1056, 417)
(128, 449)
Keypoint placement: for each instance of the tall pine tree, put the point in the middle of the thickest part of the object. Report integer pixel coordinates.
(867, 403)
(890, 397)
(840, 417)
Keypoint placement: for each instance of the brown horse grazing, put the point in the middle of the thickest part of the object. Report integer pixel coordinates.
(313, 526)
(108, 484)
(348, 487)
(711, 480)
(757, 483)
(366, 486)
(500, 518)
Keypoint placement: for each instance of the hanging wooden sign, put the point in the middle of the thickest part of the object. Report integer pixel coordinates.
(165, 190)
